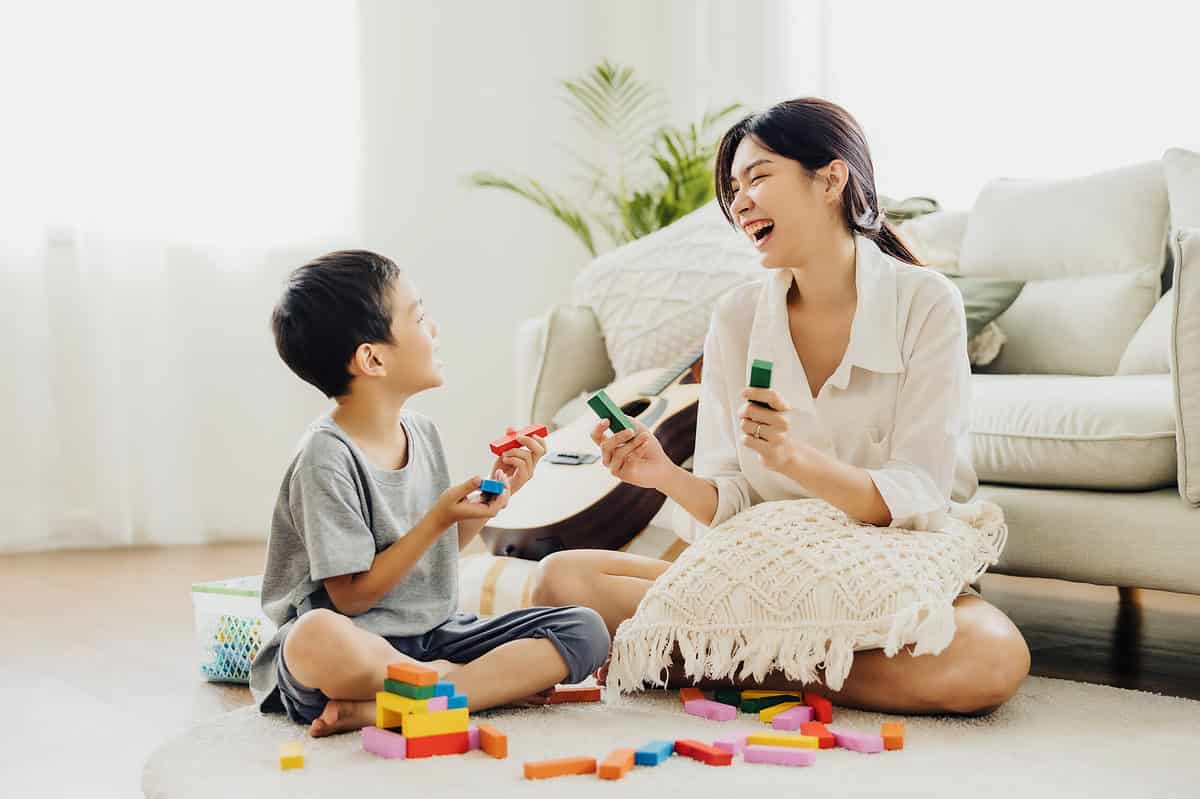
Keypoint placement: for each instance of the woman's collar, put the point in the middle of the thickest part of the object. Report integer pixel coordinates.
(874, 334)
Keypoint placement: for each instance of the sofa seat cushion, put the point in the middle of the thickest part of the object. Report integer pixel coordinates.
(1069, 431)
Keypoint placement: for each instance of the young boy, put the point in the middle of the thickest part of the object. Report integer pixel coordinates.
(363, 553)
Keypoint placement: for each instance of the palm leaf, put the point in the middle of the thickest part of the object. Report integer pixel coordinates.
(537, 194)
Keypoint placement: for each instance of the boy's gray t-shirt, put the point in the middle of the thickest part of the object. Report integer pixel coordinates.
(335, 511)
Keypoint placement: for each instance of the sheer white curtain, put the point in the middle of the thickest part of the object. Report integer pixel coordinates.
(162, 167)
(954, 94)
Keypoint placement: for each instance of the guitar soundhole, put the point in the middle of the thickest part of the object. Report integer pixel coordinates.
(635, 408)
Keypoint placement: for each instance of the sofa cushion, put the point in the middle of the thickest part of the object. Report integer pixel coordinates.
(1149, 351)
(1109, 433)
(654, 296)
(1075, 325)
(936, 238)
(1182, 168)
(1185, 365)
(1104, 224)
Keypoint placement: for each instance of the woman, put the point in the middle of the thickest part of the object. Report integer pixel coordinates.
(868, 409)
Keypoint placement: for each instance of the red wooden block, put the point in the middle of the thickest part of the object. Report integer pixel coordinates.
(574, 694)
(688, 694)
(697, 750)
(452, 743)
(817, 730)
(502, 445)
(822, 707)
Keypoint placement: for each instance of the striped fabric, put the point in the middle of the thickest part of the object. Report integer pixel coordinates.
(489, 585)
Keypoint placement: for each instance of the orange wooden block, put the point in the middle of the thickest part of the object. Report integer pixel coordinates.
(544, 769)
(492, 741)
(817, 730)
(688, 694)
(893, 734)
(412, 674)
(576, 694)
(616, 764)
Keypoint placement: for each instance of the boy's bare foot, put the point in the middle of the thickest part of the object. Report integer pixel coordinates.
(341, 715)
(602, 674)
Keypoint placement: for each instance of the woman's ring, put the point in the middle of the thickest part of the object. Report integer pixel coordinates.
(756, 432)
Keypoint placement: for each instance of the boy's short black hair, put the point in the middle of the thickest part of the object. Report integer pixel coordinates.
(329, 307)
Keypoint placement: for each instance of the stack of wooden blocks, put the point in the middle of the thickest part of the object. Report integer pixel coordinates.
(431, 719)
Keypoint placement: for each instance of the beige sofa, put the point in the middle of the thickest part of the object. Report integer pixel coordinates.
(1086, 425)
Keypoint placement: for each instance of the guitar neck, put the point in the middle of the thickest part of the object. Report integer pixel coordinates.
(674, 372)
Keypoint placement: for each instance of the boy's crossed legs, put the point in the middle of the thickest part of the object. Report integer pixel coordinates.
(330, 669)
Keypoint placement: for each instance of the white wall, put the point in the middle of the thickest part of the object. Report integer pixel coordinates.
(953, 94)
(453, 87)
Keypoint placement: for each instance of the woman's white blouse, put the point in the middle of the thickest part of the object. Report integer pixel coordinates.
(898, 404)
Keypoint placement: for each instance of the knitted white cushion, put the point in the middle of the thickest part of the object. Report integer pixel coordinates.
(797, 586)
(654, 296)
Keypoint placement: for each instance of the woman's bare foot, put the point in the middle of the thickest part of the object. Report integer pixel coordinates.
(341, 715)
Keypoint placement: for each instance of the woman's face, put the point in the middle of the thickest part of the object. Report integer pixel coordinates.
(783, 209)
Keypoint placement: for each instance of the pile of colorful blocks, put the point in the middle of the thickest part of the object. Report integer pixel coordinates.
(798, 726)
(419, 716)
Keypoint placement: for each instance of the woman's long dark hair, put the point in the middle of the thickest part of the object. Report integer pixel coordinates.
(814, 132)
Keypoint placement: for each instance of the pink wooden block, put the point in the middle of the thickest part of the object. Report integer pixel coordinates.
(734, 744)
(473, 738)
(436, 703)
(793, 718)
(780, 755)
(384, 743)
(706, 708)
(858, 741)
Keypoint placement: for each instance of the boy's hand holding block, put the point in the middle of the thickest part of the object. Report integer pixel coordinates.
(490, 489)
(509, 441)
(605, 408)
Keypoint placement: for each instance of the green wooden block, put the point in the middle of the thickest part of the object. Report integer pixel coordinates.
(755, 705)
(760, 374)
(605, 408)
(728, 696)
(411, 691)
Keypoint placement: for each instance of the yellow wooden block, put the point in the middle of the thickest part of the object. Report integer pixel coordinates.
(391, 708)
(441, 722)
(291, 755)
(766, 694)
(768, 714)
(780, 739)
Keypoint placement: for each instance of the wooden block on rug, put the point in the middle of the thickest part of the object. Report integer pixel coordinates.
(562, 767)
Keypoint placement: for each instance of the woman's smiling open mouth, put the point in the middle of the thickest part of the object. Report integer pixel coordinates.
(759, 231)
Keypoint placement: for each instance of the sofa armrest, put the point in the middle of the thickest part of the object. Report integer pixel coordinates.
(1185, 366)
(559, 356)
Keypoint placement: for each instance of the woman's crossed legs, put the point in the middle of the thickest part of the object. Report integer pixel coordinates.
(980, 670)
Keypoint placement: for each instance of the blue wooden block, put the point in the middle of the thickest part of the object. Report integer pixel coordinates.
(653, 753)
(491, 487)
(443, 689)
(456, 701)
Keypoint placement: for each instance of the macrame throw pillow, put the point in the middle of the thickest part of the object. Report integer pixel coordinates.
(797, 586)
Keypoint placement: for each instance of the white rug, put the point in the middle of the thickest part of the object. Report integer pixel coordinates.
(1055, 738)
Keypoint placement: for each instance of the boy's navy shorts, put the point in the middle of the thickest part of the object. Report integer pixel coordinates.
(578, 633)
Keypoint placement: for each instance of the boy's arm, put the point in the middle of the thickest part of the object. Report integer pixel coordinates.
(353, 594)
(468, 530)
(357, 593)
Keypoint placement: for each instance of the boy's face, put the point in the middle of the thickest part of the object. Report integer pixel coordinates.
(410, 361)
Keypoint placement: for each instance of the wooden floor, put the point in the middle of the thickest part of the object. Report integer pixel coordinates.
(100, 663)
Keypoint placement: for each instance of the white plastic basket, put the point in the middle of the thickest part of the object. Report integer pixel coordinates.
(230, 627)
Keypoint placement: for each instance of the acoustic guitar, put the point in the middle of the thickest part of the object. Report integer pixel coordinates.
(573, 502)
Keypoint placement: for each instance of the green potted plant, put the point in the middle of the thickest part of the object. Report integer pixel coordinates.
(650, 174)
